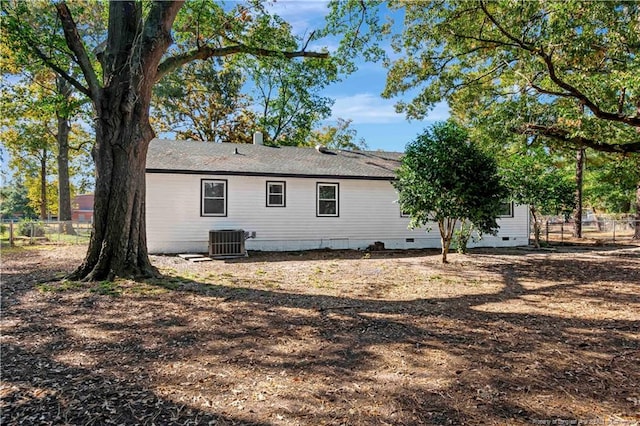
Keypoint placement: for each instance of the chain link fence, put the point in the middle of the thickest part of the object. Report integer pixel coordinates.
(599, 230)
(44, 232)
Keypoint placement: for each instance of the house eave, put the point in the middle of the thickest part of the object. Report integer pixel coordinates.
(266, 174)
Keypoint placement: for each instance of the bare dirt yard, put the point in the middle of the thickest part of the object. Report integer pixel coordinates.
(505, 336)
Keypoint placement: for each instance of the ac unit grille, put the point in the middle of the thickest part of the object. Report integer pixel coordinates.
(226, 243)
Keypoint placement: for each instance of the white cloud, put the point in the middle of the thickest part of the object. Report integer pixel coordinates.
(365, 108)
(369, 108)
(299, 9)
(303, 16)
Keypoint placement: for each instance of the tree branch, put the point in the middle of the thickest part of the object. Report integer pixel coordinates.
(75, 44)
(564, 135)
(504, 32)
(157, 31)
(570, 90)
(363, 16)
(206, 52)
(484, 40)
(62, 73)
(622, 118)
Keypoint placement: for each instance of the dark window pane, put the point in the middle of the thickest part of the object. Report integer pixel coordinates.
(327, 192)
(213, 206)
(214, 189)
(275, 200)
(327, 207)
(275, 188)
(506, 209)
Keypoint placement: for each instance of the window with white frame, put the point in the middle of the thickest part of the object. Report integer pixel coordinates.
(276, 194)
(214, 198)
(327, 199)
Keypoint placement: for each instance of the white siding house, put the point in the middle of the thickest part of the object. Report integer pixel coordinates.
(286, 198)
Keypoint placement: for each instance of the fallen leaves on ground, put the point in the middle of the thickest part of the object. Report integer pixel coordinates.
(504, 336)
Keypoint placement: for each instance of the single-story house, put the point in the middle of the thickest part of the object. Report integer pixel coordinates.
(285, 199)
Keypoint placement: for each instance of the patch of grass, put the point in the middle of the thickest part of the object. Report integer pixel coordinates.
(474, 283)
(271, 285)
(155, 286)
(190, 277)
(69, 239)
(146, 289)
(59, 286)
(261, 272)
(107, 288)
(7, 249)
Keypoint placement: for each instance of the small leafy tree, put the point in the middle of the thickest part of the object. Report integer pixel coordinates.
(446, 179)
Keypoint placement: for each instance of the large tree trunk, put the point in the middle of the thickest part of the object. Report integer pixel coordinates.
(64, 189)
(577, 213)
(118, 244)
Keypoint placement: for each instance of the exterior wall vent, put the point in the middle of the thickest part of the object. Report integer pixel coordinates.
(226, 243)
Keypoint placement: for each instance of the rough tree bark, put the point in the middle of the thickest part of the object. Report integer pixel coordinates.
(130, 62)
(62, 138)
(577, 213)
(43, 185)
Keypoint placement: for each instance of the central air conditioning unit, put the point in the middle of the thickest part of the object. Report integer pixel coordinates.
(227, 243)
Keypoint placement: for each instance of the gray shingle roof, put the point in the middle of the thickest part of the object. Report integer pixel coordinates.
(220, 158)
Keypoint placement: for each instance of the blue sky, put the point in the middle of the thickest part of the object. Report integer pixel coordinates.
(357, 97)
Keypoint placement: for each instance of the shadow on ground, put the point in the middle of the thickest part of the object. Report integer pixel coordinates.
(560, 339)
